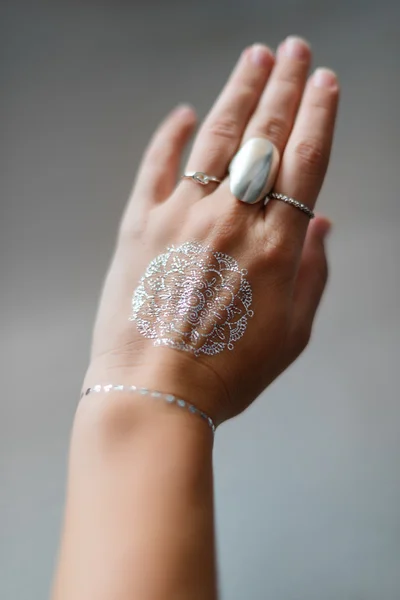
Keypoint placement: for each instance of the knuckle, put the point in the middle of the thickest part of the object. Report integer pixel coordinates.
(275, 129)
(202, 221)
(278, 253)
(220, 225)
(290, 73)
(247, 93)
(229, 225)
(311, 154)
(224, 128)
(130, 231)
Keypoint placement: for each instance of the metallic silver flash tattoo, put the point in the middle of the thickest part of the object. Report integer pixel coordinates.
(194, 299)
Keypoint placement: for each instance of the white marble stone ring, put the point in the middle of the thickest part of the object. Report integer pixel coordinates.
(253, 170)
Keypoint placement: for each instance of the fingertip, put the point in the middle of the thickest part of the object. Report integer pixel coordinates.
(325, 78)
(260, 55)
(321, 226)
(185, 111)
(295, 47)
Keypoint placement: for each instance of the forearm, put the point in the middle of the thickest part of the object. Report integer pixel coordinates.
(139, 515)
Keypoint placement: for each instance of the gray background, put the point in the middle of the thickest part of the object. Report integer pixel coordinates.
(308, 480)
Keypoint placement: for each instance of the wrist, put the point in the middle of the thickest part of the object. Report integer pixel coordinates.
(114, 415)
(166, 371)
(120, 411)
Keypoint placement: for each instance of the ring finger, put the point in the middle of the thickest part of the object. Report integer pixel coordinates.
(222, 130)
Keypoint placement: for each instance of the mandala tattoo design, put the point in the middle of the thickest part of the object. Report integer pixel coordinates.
(194, 299)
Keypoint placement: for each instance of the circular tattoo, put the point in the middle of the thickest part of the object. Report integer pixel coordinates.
(192, 298)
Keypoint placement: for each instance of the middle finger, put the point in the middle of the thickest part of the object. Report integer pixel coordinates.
(276, 112)
(222, 130)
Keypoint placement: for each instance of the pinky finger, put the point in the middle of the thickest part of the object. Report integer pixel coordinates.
(306, 156)
(310, 283)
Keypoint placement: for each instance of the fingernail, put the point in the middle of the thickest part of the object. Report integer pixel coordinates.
(260, 55)
(295, 47)
(324, 78)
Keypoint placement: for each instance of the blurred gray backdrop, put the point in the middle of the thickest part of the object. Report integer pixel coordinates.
(308, 480)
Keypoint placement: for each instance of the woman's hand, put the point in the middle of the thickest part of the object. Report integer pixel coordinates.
(281, 250)
(228, 312)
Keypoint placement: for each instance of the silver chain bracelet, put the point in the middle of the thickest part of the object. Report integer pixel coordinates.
(170, 398)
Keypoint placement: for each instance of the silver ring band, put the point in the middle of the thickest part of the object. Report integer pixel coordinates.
(276, 196)
(200, 177)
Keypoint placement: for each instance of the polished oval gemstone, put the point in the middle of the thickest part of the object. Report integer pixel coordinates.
(253, 170)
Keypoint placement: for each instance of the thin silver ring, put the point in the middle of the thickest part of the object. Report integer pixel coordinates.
(303, 207)
(200, 177)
